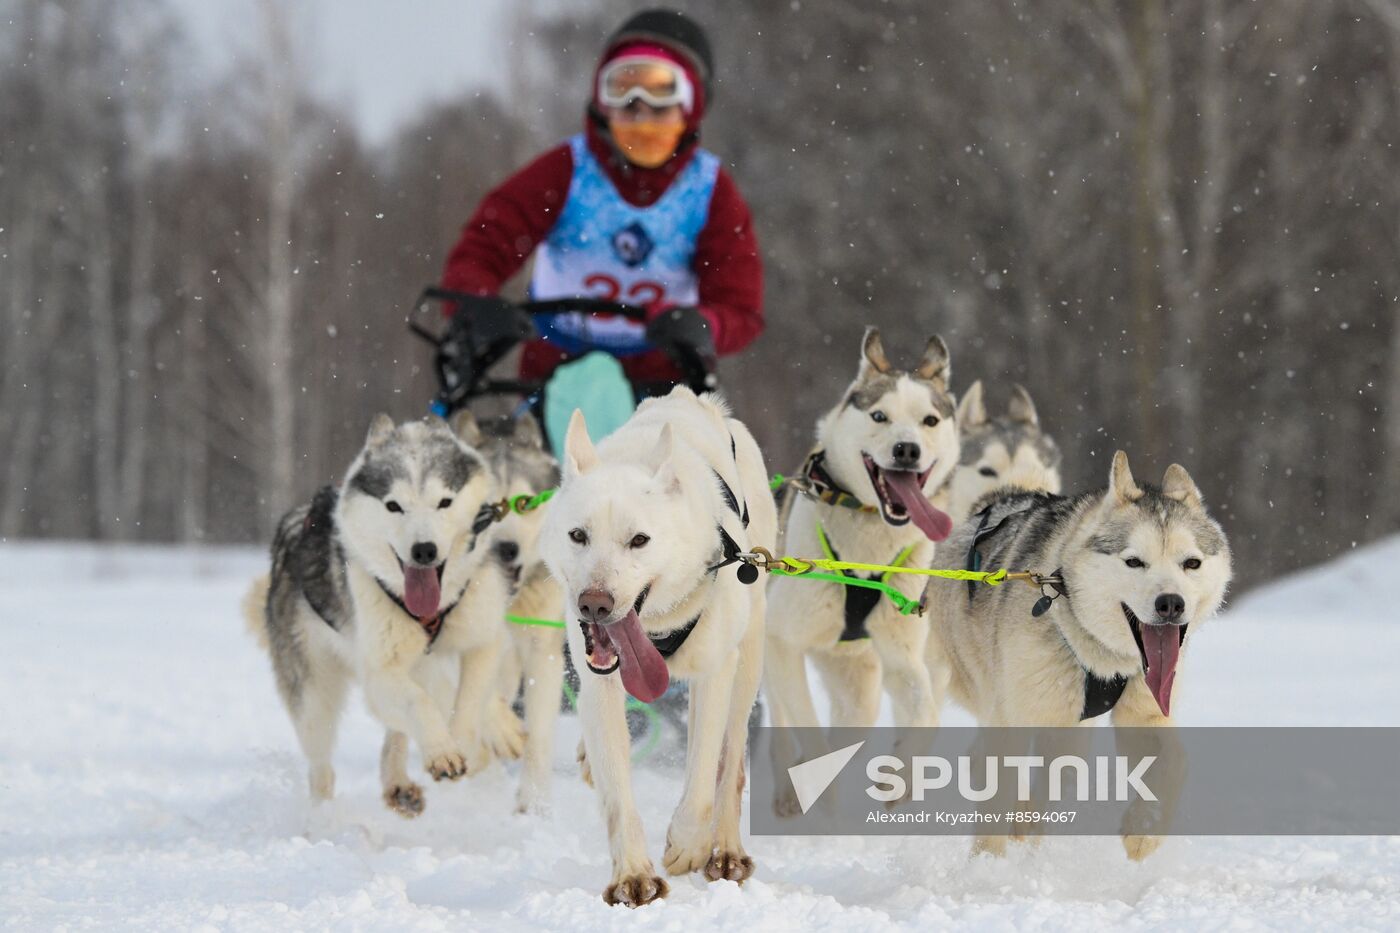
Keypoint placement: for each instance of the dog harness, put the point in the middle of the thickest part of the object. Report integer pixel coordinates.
(432, 627)
(818, 484)
(860, 601)
(1101, 694)
(729, 549)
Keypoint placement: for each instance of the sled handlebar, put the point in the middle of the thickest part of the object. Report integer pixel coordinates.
(462, 377)
(550, 306)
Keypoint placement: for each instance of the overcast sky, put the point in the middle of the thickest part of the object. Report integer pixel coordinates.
(379, 61)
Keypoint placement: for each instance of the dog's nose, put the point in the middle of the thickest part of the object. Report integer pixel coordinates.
(594, 605)
(906, 455)
(1170, 607)
(507, 551)
(424, 552)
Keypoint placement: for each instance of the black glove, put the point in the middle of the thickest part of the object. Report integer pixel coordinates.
(489, 326)
(682, 329)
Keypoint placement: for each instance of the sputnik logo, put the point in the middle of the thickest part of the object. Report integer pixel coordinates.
(811, 778)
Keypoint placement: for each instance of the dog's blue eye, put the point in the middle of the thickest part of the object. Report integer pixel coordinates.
(1134, 563)
(444, 503)
(639, 540)
(578, 536)
(393, 506)
(931, 421)
(1192, 563)
(879, 417)
(988, 471)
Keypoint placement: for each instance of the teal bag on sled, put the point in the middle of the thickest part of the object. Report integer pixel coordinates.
(595, 384)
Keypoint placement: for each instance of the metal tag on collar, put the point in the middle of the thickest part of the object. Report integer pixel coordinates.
(489, 514)
(1050, 590)
(731, 554)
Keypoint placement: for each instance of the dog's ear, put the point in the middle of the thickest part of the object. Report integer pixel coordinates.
(667, 476)
(1022, 409)
(1177, 484)
(1123, 488)
(872, 353)
(379, 430)
(527, 431)
(464, 426)
(971, 410)
(579, 455)
(934, 366)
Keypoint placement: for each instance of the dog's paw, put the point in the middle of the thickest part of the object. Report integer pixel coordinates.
(1029, 832)
(405, 799)
(786, 805)
(585, 771)
(507, 734)
(729, 866)
(531, 798)
(1030, 837)
(1140, 847)
(994, 846)
(636, 890)
(445, 766)
(687, 851)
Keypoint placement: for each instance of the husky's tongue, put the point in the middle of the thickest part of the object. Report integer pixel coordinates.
(1161, 644)
(421, 591)
(905, 486)
(644, 672)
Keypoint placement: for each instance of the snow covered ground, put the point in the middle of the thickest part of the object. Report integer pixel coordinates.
(150, 780)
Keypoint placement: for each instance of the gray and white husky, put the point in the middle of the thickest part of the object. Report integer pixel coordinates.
(381, 581)
(643, 537)
(890, 442)
(534, 659)
(1140, 566)
(1010, 449)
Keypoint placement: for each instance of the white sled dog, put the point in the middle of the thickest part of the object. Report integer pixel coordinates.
(381, 581)
(534, 659)
(1010, 449)
(889, 443)
(1140, 566)
(643, 536)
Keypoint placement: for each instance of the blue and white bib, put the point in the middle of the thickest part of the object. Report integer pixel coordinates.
(603, 247)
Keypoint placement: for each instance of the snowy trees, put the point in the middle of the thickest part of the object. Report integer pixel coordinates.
(1176, 222)
(203, 282)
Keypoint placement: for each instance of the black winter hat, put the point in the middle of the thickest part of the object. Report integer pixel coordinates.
(674, 30)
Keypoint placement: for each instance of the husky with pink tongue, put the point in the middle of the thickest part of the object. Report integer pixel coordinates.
(643, 537)
(863, 495)
(1139, 568)
(387, 580)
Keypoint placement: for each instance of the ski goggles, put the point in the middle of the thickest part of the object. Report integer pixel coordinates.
(654, 81)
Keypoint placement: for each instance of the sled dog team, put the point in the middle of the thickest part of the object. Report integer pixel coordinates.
(401, 580)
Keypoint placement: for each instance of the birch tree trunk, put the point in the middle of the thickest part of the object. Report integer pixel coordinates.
(280, 89)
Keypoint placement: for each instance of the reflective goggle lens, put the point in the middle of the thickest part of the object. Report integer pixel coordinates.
(659, 83)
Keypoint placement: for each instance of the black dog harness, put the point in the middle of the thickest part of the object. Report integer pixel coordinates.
(671, 642)
(1101, 694)
(432, 627)
(860, 600)
(818, 483)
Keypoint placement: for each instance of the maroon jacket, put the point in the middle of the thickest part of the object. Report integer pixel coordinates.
(516, 216)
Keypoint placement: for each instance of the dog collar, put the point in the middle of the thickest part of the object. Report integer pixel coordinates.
(433, 626)
(817, 483)
(668, 644)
